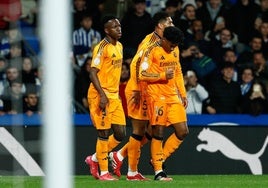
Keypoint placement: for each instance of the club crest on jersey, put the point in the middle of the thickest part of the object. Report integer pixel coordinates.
(96, 61)
(144, 65)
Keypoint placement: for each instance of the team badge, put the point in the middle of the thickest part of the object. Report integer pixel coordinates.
(144, 65)
(96, 61)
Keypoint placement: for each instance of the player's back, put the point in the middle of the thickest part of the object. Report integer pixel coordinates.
(133, 84)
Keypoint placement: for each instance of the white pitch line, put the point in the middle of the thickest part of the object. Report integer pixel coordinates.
(19, 153)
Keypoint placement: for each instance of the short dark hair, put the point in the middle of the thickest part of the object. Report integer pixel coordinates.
(172, 3)
(159, 17)
(85, 15)
(174, 35)
(3, 59)
(16, 81)
(228, 64)
(248, 67)
(107, 18)
(31, 89)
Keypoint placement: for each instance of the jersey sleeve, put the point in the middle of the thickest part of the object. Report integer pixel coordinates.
(146, 73)
(179, 80)
(97, 56)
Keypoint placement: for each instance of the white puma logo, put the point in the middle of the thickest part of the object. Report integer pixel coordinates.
(218, 142)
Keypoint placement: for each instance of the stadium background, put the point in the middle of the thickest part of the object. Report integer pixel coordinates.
(248, 134)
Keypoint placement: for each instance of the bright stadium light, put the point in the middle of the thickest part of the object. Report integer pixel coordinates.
(55, 35)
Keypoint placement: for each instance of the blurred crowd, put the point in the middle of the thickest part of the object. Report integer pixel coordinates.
(224, 56)
(20, 74)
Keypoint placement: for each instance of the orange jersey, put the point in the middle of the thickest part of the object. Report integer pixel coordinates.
(133, 84)
(108, 59)
(153, 68)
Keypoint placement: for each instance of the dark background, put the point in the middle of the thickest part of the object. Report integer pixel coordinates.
(186, 160)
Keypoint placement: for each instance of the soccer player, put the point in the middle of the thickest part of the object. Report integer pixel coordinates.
(166, 96)
(137, 107)
(105, 107)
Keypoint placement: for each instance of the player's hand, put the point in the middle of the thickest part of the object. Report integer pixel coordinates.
(211, 110)
(184, 102)
(169, 74)
(103, 102)
(136, 97)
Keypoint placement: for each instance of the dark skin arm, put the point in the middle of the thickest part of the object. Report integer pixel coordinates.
(95, 81)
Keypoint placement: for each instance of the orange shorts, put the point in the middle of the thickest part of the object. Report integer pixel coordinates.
(140, 111)
(113, 114)
(165, 114)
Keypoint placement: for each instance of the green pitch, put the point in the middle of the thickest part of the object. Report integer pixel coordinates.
(180, 181)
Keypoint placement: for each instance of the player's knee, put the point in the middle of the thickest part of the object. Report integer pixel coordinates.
(119, 136)
(158, 137)
(137, 137)
(148, 136)
(158, 131)
(139, 131)
(119, 132)
(181, 135)
(103, 134)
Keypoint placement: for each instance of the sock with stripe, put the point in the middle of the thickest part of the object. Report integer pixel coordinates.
(157, 153)
(112, 142)
(102, 153)
(134, 152)
(171, 144)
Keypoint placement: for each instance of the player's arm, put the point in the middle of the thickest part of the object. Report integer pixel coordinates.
(134, 71)
(145, 73)
(180, 85)
(96, 65)
(95, 81)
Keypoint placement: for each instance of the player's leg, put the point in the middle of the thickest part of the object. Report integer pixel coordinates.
(158, 120)
(148, 134)
(175, 139)
(118, 123)
(179, 124)
(139, 121)
(92, 160)
(119, 133)
(132, 111)
(112, 118)
(102, 154)
(157, 153)
(132, 149)
(134, 145)
(99, 159)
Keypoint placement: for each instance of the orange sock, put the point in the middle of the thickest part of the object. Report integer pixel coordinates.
(124, 150)
(133, 153)
(112, 143)
(157, 154)
(102, 154)
(171, 145)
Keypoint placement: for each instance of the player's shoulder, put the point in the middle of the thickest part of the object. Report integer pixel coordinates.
(151, 38)
(120, 44)
(153, 47)
(102, 45)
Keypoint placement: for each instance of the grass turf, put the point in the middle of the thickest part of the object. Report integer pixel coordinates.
(191, 181)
